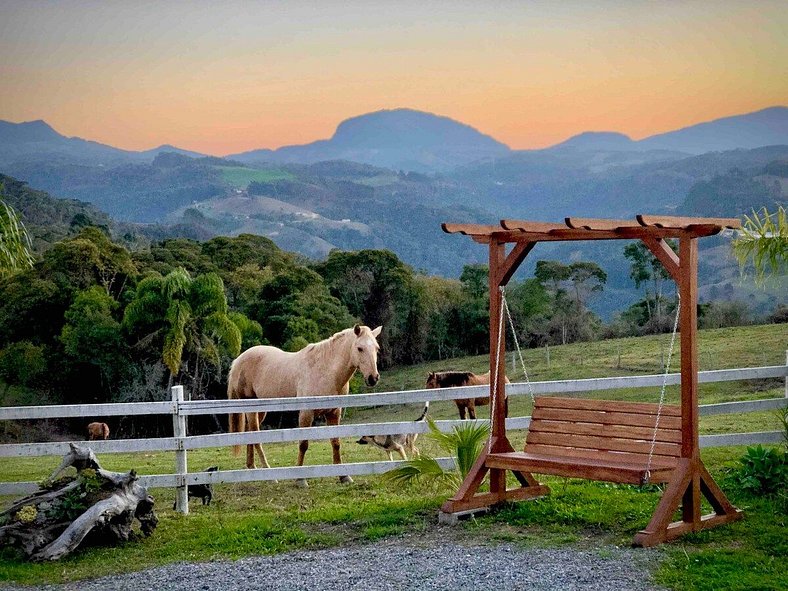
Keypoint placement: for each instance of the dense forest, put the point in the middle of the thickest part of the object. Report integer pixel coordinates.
(95, 321)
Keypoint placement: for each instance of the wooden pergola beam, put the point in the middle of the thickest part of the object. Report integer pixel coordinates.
(666, 256)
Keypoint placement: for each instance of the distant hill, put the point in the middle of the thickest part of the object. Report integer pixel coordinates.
(739, 191)
(128, 191)
(399, 139)
(46, 218)
(37, 141)
(768, 127)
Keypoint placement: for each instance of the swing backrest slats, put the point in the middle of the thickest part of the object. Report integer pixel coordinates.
(604, 429)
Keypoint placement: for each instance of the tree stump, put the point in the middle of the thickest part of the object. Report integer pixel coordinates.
(96, 506)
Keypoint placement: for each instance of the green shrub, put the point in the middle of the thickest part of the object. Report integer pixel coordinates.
(763, 470)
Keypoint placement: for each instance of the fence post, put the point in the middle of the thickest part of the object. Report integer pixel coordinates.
(179, 430)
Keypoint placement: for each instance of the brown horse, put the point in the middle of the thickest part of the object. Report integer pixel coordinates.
(319, 369)
(451, 379)
(98, 431)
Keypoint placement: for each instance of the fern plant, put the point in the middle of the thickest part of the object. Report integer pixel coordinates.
(464, 442)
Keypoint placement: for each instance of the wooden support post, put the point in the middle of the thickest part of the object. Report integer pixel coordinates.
(690, 445)
(179, 431)
(497, 363)
(690, 479)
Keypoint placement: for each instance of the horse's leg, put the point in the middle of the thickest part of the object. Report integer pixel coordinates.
(259, 447)
(252, 424)
(472, 409)
(461, 408)
(305, 419)
(332, 418)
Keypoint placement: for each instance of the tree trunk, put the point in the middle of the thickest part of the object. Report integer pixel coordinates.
(98, 505)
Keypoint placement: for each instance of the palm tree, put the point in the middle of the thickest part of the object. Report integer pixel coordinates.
(189, 318)
(763, 240)
(15, 245)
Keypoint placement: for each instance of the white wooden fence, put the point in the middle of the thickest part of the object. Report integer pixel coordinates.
(180, 443)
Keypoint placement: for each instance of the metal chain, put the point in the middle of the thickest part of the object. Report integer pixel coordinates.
(664, 384)
(494, 378)
(517, 346)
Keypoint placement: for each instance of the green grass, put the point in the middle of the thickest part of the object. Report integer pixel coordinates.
(264, 518)
(240, 176)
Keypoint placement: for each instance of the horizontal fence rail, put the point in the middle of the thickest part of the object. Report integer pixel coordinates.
(64, 411)
(320, 433)
(179, 408)
(256, 475)
(208, 407)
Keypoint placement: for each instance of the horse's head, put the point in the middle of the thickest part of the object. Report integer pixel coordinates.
(364, 354)
(432, 380)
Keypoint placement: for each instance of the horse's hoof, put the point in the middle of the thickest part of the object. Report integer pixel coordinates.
(345, 480)
(301, 483)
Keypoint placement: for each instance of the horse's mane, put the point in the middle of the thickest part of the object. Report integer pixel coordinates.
(322, 349)
(448, 379)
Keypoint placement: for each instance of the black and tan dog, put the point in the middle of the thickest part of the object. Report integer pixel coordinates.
(397, 443)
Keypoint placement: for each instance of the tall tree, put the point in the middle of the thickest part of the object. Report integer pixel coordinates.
(189, 320)
(646, 270)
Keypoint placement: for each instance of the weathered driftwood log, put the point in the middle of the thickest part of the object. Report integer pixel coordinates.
(96, 504)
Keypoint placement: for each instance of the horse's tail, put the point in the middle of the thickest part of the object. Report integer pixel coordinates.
(424, 414)
(237, 420)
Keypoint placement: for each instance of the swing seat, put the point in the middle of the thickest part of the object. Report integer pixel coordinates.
(598, 440)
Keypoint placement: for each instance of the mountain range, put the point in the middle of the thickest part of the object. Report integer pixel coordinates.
(388, 179)
(410, 140)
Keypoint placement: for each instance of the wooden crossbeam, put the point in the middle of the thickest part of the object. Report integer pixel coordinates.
(526, 226)
(600, 224)
(683, 223)
(469, 229)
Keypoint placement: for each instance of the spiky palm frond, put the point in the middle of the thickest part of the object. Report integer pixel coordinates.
(147, 307)
(764, 242)
(464, 442)
(15, 244)
(421, 468)
(177, 284)
(224, 331)
(178, 317)
(207, 295)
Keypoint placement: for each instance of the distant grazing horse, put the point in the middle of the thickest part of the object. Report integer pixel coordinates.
(319, 369)
(450, 379)
(98, 431)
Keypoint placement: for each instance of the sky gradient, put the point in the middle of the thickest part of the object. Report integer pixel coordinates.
(224, 77)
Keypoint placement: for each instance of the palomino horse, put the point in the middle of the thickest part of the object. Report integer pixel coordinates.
(451, 379)
(319, 369)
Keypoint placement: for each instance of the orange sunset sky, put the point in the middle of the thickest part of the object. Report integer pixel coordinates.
(223, 77)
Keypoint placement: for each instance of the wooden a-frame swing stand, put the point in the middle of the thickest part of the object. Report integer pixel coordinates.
(685, 475)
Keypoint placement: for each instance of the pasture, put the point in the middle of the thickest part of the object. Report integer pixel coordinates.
(240, 176)
(257, 518)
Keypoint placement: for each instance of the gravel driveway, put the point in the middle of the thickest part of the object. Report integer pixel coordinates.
(398, 563)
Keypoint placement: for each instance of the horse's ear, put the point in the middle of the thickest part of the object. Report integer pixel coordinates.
(376, 332)
(357, 329)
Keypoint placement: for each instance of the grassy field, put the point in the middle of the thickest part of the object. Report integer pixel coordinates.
(240, 176)
(259, 518)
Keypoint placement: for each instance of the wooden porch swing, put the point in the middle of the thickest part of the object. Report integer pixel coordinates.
(624, 442)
